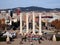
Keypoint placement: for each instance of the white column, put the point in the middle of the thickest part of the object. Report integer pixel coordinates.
(20, 23)
(8, 39)
(27, 22)
(9, 12)
(54, 37)
(33, 23)
(40, 32)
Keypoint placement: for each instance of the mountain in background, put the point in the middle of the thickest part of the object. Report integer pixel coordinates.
(33, 8)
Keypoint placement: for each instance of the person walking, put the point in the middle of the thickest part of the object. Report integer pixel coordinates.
(21, 41)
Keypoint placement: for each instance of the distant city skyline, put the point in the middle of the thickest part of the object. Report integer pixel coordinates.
(4, 4)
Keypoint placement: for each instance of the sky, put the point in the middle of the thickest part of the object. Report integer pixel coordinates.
(4, 4)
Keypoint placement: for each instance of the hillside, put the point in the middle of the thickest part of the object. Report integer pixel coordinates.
(33, 8)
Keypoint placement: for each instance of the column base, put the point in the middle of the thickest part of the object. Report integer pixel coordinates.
(20, 33)
(40, 33)
(34, 33)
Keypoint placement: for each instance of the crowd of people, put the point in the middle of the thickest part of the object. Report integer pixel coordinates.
(30, 38)
(10, 35)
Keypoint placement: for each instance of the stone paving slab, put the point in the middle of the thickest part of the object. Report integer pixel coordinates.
(45, 42)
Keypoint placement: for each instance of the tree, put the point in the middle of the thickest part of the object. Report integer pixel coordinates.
(56, 24)
(2, 24)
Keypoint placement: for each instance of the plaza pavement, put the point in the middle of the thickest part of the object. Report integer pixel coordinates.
(45, 42)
